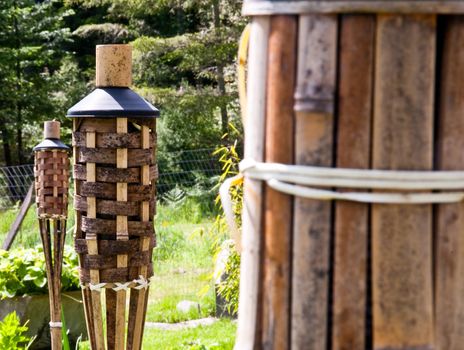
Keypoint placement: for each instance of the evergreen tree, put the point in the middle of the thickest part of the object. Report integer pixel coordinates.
(31, 39)
(184, 62)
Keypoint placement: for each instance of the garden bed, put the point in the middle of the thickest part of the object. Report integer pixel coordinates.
(35, 310)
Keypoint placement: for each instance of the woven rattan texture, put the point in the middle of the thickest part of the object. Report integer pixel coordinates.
(97, 160)
(51, 173)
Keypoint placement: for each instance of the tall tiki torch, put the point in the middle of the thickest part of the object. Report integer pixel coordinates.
(114, 171)
(51, 173)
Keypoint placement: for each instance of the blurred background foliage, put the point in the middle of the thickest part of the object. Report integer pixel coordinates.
(184, 63)
(184, 55)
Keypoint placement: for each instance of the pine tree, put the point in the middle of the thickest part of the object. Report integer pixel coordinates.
(31, 39)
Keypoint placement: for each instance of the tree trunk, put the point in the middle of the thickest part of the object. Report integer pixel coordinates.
(19, 133)
(10, 180)
(6, 144)
(222, 92)
(220, 71)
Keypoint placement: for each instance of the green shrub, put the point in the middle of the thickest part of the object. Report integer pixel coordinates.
(22, 272)
(229, 287)
(187, 205)
(169, 244)
(12, 334)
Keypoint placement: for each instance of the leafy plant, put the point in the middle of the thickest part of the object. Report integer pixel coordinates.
(228, 287)
(64, 333)
(12, 334)
(170, 242)
(22, 272)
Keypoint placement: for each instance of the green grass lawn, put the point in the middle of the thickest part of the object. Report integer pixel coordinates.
(220, 335)
(183, 266)
(28, 235)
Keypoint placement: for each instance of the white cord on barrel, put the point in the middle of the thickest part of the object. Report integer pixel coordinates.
(354, 178)
(296, 179)
(366, 197)
(289, 178)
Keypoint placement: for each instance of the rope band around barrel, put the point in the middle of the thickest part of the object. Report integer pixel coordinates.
(296, 180)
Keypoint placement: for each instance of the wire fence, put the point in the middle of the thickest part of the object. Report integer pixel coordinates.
(186, 168)
(14, 184)
(176, 169)
(183, 260)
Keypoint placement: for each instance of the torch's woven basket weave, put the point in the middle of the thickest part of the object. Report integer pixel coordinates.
(100, 188)
(51, 174)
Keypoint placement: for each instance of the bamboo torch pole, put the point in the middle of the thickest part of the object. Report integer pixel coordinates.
(51, 185)
(252, 192)
(278, 206)
(313, 146)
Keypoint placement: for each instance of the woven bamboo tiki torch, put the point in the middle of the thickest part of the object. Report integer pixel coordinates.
(114, 172)
(51, 186)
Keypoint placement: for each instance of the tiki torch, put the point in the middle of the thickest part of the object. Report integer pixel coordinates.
(51, 174)
(114, 171)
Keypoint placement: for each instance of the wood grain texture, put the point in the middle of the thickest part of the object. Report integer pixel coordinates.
(103, 262)
(93, 250)
(52, 129)
(135, 193)
(110, 207)
(112, 175)
(59, 235)
(111, 301)
(357, 34)
(449, 239)
(116, 274)
(313, 146)
(116, 247)
(138, 298)
(113, 140)
(248, 333)
(259, 8)
(403, 139)
(52, 211)
(52, 237)
(135, 158)
(102, 226)
(113, 65)
(79, 235)
(122, 234)
(278, 206)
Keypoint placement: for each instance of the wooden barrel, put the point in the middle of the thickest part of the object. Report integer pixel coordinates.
(364, 85)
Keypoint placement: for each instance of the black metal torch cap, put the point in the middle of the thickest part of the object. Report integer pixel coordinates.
(51, 144)
(113, 102)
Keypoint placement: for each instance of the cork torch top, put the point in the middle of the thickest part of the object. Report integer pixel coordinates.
(112, 96)
(51, 137)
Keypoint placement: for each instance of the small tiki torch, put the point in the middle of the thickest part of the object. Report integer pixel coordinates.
(51, 174)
